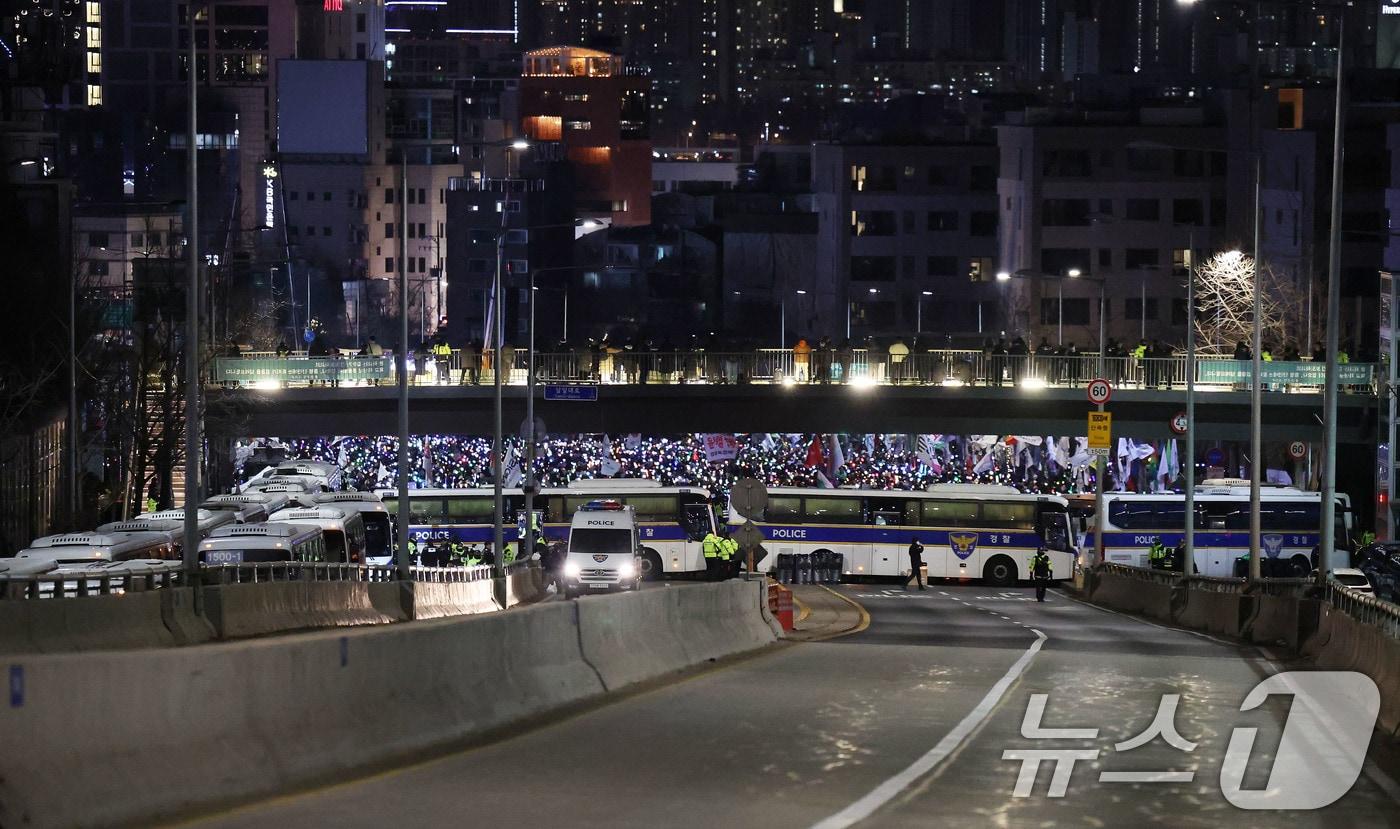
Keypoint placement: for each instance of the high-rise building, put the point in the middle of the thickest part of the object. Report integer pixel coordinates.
(596, 107)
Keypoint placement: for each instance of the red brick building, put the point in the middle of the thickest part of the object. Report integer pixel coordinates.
(597, 107)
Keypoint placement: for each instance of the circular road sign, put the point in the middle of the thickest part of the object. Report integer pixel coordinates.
(1179, 423)
(1099, 391)
(749, 497)
(1297, 450)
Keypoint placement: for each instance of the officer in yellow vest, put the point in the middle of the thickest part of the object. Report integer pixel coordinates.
(711, 547)
(729, 554)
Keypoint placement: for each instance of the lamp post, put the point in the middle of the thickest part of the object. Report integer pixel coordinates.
(193, 436)
(919, 325)
(1328, 541)
(1189, 554)
(403, 564)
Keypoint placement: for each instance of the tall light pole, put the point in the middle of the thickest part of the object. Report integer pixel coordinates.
(919, 325)
(1256, 397)
(1327, 548)
(402, 560)
(193, 436)
(1189, 556)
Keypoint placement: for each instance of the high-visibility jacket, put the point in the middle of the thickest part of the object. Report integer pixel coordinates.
(1036, 560)
(727, 548)
(711, 545)
(1343, 357)
(1267, 357)
(510, 553)
(1158, 551)
(1140, 352)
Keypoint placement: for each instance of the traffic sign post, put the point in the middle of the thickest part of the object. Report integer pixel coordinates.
(1099, 391)
(750, 539)
(1179, 423)
(749, 497)
(1100, 432)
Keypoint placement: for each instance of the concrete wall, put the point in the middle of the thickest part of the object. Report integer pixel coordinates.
(227, 722)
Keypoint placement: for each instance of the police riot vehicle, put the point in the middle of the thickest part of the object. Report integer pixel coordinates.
(603, 549)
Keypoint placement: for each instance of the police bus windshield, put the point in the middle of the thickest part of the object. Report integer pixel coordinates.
(594, 540)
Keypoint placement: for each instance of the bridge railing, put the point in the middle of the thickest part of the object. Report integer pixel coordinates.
(270, 571)
(856, 367)
(76, 584)
(1364, 608)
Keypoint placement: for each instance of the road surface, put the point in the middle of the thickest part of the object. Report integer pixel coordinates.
(902, 724)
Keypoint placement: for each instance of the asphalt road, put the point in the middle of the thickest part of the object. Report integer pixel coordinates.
(903, 724)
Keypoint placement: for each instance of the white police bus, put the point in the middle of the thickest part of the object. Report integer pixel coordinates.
(672, 521)
(379, 530)
(969, 531)
(1290, 520)
(343, 530)
(261, 543)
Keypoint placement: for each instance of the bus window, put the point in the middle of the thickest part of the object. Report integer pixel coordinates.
(698, 521)
(653, 508)
(886, 512)
(377, 535)
(355, 539)
(1055, 530)
(335, 545)
(783, 510)
(1008, 515)
(949, 514)
(468, 510)
(1129, 514)
(554, 513)
(424, 510)
(831, 510)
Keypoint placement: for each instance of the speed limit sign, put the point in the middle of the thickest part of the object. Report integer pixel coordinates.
(1099, 391)
(1179, 423)
(1297, 450)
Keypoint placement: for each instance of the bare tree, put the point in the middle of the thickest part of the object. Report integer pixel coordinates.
(1225, 285)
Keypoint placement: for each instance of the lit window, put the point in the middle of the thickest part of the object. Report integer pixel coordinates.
(94, 95)
(94, 61)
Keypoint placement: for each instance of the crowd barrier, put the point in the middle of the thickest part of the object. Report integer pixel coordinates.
(227, 722)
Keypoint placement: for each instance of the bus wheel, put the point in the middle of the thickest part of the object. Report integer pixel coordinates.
(999, 572)
(1299, 567)
(650, 565)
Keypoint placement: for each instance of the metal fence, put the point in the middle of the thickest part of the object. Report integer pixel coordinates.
(1213, 584)
(856, 367)
(81, 584)
(1364, 608)
(277, 571)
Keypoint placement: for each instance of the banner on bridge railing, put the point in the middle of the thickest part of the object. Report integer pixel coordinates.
(302, 369)
(1291, 373)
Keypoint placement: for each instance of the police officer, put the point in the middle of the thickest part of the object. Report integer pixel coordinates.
(711, 548)
(1157, 554)
(1041, 571)
(731, 554)
(916, 564)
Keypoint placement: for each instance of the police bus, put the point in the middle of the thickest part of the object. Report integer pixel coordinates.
(672, 521)
(261, 543)
(324, 475)
(343, 530)
(969, 531)
(379, 531)
(247, 507)
(1289, 519)
(79, 549)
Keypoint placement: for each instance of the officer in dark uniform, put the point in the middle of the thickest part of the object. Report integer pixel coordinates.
(1041, 571)
(916, 564)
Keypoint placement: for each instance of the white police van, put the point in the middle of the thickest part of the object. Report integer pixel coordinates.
(603, 549)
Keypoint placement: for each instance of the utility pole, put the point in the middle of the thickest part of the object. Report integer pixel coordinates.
(1188, 558)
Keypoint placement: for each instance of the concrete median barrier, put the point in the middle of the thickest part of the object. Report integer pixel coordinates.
(1132, 595)
(1214, 612)
(132, 620)
(226, 722)
(524, 585)
(1344, 643)
(241, 610)
(435, 601)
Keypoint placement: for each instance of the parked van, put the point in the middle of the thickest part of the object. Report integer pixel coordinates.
(602, 550)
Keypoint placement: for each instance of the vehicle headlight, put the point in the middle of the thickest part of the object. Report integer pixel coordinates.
(626, 570)
(572, 570)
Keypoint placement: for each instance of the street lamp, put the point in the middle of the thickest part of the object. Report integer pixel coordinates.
(919, 324)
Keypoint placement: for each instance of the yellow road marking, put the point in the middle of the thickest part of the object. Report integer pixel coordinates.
(860, 626)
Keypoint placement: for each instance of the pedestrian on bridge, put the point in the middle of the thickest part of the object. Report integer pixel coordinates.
(916, 564)
(1041, 571)
(471, 363)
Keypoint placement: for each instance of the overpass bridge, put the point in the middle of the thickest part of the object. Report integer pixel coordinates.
(967, 392)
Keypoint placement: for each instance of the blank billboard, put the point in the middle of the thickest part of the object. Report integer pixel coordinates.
(323, 107)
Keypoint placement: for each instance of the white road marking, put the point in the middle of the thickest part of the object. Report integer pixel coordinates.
(888, 790)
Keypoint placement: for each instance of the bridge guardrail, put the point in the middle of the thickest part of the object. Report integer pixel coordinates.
(271, 571)
(1364, 608)
(859, 367)
(79, 584)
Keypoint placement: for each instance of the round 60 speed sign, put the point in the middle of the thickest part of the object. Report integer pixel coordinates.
(1297, 450)
(1099, 391)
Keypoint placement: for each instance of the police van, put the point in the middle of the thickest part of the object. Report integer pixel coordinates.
(602, 550)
